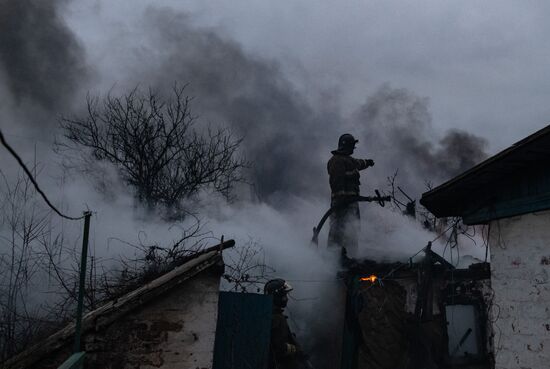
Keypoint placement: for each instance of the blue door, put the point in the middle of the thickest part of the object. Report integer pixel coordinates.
(243, 331)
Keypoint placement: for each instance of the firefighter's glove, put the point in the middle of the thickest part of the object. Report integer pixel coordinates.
(291, 349)
(369, 162)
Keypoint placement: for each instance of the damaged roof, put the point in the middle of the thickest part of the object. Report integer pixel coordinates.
(113, 310)
(510, 183)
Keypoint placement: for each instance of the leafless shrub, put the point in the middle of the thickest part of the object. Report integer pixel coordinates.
(22, 224)
(246, 269)
(449, 229)
(151, 261)
(39, 268)
(33, 252)
(155, 147)
(400, 199)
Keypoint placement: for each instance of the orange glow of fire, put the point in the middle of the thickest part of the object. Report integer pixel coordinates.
(372, 278)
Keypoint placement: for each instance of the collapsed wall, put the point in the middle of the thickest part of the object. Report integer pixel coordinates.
(389, 326)
(383, 321)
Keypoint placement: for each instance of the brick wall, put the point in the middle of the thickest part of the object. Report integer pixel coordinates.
(520, 271)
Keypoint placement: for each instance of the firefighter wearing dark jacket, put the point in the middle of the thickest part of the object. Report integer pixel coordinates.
(285, 353)
(343, 172)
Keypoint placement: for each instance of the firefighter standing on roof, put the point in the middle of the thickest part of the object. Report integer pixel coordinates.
(343, 172)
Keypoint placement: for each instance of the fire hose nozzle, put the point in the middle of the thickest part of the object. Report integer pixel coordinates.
(381, 199)
(378, 198)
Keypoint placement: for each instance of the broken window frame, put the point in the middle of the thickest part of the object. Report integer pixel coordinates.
(461, 294)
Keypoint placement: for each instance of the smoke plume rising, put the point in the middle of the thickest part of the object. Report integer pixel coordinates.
(286, 135)
(282, 133)
(41, 61)
(397, 125)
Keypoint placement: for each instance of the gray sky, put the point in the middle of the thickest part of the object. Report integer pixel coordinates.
(481, 65)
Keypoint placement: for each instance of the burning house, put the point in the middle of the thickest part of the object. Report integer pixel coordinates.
(510, 193)
(427, 314)
(422, 315)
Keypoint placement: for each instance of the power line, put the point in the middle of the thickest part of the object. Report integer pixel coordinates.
(28, 138)
(29, 174)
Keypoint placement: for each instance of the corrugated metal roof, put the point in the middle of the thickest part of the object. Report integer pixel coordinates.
(453, 197)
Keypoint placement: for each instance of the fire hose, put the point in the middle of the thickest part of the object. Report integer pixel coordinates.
(352, 199)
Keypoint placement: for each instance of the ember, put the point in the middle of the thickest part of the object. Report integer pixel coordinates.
(372, 278)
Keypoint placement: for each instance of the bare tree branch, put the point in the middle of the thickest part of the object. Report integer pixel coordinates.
(156, 148)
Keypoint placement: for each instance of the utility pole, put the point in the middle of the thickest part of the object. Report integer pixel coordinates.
(83, 257)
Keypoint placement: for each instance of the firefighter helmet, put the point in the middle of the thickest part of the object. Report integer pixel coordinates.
(346, 144)
(277, 286)
(279, 289)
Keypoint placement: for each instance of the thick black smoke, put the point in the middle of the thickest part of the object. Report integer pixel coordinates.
(40, 59)
(397, 127)
(287, 139)
(284, 137)
(459, 151)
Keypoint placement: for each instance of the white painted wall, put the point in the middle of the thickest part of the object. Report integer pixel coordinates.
(173, 331)
(195, 306)
(520, 271)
